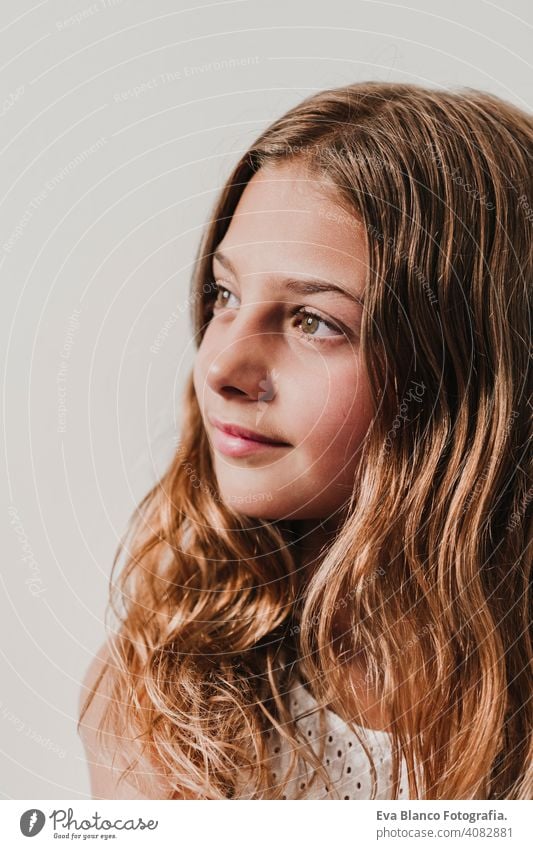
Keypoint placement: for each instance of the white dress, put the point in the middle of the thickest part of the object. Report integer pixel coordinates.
(344, 758)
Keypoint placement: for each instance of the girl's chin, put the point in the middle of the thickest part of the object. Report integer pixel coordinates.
(256, 507)
(250, 504)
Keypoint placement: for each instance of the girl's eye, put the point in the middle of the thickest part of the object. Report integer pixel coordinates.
(221, 291)
(309, 322)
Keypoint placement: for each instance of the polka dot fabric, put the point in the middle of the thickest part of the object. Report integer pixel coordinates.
(344, 757)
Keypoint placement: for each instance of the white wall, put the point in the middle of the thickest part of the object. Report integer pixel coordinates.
(108, 172)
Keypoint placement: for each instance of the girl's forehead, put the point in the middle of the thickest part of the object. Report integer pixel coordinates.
(291, 186)
(286, 215)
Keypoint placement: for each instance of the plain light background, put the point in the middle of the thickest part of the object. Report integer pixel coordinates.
(119, 122)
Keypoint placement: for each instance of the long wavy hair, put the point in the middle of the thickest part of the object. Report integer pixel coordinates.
(431, 568)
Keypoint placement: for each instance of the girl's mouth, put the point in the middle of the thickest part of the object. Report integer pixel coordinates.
(234, 441)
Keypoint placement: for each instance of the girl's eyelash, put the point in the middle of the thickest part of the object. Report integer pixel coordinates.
(302, 311)
(305, 313)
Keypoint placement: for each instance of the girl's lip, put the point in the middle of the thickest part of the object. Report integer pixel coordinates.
(244, 432)
(239, 446)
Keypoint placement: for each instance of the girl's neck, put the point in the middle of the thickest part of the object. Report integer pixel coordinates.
(309, 539)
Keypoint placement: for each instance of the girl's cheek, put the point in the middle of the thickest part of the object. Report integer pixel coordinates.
(203, 357)
(199, 377)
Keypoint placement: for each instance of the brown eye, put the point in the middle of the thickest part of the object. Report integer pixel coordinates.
(222, 295)
(310, 323)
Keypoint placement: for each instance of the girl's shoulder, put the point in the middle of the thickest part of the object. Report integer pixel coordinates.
(107, 762)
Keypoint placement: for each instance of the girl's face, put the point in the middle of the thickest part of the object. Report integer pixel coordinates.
(280, 356)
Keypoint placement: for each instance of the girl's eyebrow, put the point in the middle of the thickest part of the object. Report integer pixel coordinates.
(310, 286)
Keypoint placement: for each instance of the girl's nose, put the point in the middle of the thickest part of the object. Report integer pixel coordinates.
(242, 356)
(241, 367)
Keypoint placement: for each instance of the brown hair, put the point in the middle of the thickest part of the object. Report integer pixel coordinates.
(431, 568)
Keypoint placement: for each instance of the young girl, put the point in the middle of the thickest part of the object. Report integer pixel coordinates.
(328, 594)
